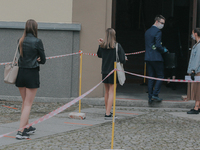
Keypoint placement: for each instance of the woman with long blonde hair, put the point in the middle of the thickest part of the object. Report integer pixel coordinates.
(107, 51)
(31, 55)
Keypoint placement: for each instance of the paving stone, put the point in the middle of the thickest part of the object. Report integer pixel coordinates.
(155, 129)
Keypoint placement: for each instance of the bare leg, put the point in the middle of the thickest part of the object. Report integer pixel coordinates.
(196, 105)
(168, 81)
(30, 95)
(22, 91)
(174, 83)
(110, 99)
(106, 94)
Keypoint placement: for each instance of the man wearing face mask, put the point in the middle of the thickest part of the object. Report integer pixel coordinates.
(153, 57)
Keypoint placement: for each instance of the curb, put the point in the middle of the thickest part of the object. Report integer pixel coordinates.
(141, 103)
(119, 102)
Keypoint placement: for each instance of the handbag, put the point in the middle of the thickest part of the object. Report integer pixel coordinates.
(120, 74)
(11, 70)
(170, 60)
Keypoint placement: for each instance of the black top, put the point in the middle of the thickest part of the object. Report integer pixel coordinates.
(32, 49)
(109, 57)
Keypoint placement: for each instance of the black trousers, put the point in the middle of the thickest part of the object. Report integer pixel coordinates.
(155, 69)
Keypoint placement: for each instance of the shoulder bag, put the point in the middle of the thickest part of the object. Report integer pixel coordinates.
(11, 70)
(120, 74)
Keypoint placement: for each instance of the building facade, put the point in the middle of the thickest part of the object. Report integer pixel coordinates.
(65, 27)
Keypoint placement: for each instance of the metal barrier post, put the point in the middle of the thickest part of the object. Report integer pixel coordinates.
(80, 78)
(145, 72)
(114, 99)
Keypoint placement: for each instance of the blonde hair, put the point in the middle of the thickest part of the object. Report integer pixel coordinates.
(110, 39)
(31, 27)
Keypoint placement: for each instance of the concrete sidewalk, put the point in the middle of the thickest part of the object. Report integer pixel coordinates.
(135, 127)
(61, 123)
(129, 104)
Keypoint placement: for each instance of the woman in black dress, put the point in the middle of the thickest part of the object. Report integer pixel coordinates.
(107, 51)
(31, 55)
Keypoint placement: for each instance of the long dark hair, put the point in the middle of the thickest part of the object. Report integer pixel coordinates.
(31, 27)
(197, 30)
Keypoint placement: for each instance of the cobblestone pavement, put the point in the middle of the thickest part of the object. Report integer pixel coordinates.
(155, 129)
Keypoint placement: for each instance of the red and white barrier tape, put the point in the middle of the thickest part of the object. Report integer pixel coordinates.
(169, 80)
(5, 63)
(63, 55)
(91, 54)
(125, 54)
(59, 56)
(60, 109)
(135, 53)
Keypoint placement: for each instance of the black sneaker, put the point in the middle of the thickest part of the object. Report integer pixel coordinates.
(22, 135)
(150, 101)
(30, 130)
(110, 113)
(157, 99)
(193, 111)
(109, 117)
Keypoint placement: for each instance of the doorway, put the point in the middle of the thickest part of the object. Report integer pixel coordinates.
(133, 17)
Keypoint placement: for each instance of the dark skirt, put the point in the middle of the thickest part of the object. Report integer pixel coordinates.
(110, 79)
(28, 77)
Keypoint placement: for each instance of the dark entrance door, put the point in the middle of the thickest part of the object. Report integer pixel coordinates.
(131, 18)
(193, 23)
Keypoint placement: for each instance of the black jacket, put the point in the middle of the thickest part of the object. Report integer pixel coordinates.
(153, 44)
(109, 57)
(32, 49)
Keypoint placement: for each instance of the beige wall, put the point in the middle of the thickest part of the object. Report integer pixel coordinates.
(95, 17)
(56, 11)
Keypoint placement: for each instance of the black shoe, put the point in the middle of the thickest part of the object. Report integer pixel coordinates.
(22, 135)
(157, 99)
(30, 130)
(110, 113)
(109, 117)
(150, 101)
(198, 109)
(193, 111)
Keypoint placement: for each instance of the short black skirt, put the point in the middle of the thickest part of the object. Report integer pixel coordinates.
(110, 79)
(28, 77)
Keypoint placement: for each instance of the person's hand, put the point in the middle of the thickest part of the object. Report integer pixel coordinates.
(100, 40)
(38, 59)
(165, 50)
(126, 58)
(192, 75)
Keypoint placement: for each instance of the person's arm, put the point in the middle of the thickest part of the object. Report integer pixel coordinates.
(121, 54)
(189, 71)
(40, 48)
(158, 45)
(196, 60)
(99, 54)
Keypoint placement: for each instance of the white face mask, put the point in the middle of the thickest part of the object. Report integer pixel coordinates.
(160, 26)
(193, 37)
